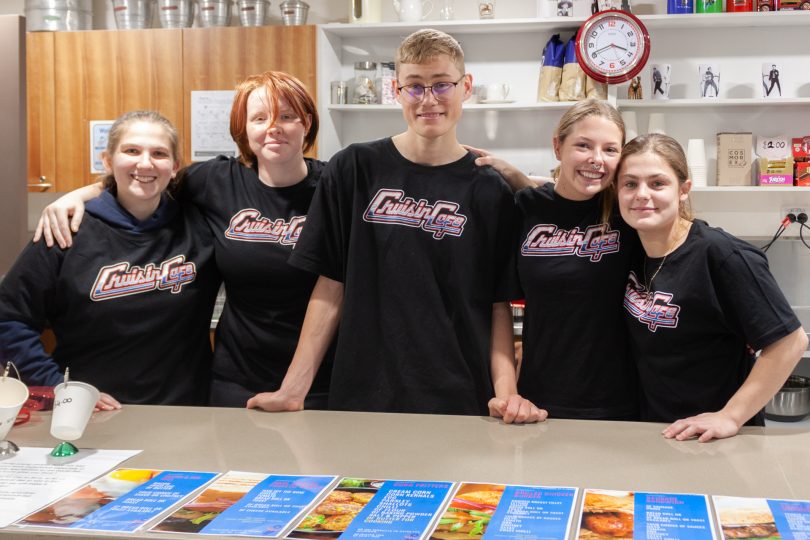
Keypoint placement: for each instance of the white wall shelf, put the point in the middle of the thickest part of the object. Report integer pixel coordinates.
(509, 51)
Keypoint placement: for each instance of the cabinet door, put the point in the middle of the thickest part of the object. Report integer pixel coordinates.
(218, 58)
(40, 111)
(101, 74)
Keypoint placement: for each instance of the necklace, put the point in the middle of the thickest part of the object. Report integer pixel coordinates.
(648, 284)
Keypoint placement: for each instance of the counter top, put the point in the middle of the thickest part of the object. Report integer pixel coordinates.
(760, 462)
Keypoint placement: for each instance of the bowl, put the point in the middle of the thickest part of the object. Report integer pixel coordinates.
(792, 402)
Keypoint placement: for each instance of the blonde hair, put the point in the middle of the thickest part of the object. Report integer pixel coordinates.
(120, 127)
(671, 152)
(424, 45)
(575, 114)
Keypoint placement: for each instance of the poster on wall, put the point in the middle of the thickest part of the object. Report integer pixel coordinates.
(211, 124)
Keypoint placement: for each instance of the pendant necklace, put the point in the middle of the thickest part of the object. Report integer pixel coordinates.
(648, 284)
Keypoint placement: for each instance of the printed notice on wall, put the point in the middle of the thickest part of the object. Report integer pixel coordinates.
(659, 516)
(99, 134)
(210, 124)
(500, 512)
(742, 517)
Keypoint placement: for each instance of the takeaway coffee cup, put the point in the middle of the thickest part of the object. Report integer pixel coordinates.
(13, 394)
(72, 406)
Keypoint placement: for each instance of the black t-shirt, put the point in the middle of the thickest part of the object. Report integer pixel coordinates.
(423, 253)
(255, 228)
(712, 297)
(131, 312)
(573, 269)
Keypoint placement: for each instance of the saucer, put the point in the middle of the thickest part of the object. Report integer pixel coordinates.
(495, 101)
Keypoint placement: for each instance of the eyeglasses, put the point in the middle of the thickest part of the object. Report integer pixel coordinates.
(415, 93)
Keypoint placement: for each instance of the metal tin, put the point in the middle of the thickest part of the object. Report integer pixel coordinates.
(294, 12)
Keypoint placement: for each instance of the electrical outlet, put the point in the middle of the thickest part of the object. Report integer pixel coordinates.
(795, 210)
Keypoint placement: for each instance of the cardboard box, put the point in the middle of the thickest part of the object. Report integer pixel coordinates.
(735, 159)
(776, 172)
(803, 174)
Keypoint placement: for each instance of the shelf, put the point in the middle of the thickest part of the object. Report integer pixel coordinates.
(550, 106)
(499, 26)
(709, 103)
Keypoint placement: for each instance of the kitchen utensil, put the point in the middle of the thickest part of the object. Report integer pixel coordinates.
(58, 15)
(253, 12)
(131, 14)
(365, 11)
(213, 13)
(792, 402)
(294, 12)
(175, 13)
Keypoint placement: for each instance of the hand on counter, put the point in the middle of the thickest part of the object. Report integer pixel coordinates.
(275, 402)
(515, 409)
(107, 403)
(705, 427)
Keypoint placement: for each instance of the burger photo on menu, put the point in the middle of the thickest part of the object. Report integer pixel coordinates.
(469, 513)
(741, 518)
(606, 515)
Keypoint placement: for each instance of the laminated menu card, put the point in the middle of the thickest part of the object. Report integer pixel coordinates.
(84, 501)
(661, 516)
(498, 511)
(247, 504)
(378, 509)
(742, 517)
(107, 505)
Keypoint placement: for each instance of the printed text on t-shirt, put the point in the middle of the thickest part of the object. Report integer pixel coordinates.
(392, 207)
(249, 225)
(651, 308)
(546, 240)
(119, 279)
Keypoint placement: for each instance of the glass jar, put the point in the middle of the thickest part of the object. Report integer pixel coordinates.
(365, 89)
(387, 77)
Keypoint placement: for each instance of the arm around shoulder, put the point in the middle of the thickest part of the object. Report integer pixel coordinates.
(61, 218)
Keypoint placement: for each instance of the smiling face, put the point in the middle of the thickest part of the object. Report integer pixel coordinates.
(432, 118)
(142, 164)
(650, 193)
(278, 142)
(588, 157)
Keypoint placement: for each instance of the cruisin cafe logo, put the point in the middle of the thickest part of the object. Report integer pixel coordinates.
(393, 207)
(547, 240)
(249, 225)
(121, 279)
(653, 309)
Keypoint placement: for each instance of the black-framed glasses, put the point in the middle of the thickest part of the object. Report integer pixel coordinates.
(415, 93)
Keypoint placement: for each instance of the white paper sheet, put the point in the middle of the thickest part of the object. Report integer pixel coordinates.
(33, 479)
(210, 124)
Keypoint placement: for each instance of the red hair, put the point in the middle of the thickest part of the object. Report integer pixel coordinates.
(279, 85)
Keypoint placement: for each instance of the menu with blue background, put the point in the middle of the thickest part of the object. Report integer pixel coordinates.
(741, 517)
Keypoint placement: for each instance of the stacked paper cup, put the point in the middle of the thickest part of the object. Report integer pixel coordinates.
(696, 158)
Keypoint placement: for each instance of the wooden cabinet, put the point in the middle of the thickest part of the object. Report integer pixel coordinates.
(76, 77)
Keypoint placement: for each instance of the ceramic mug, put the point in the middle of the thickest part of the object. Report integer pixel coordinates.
(412, 10)
(497, 92)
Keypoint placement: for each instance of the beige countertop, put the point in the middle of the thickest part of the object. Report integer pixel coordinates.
(760, 462)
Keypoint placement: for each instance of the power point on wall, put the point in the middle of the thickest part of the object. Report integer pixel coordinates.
(792, 210)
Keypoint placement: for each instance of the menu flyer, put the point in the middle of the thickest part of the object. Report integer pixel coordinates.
(89, 498)
(375, 509)
(132, 509)
(653, 516)
(498, 511)
(742, 517)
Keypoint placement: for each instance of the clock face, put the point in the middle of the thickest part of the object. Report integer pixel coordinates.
(612, 46)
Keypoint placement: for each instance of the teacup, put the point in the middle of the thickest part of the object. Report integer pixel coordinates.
(497, 92)
(412, 10)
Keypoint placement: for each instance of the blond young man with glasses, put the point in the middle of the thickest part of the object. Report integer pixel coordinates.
(413, 245)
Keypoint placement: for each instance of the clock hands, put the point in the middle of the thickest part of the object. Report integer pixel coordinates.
(610, 46)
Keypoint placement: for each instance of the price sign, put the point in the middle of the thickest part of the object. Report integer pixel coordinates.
(773, 147)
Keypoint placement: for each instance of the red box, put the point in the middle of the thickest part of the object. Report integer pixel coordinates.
(739, 5)
(803, 174)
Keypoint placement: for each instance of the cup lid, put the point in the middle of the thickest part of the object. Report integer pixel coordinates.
(365, 65)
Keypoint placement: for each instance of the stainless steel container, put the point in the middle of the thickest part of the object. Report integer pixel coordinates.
(132, 14)
(175, 13)
(253, 12)
(792, 402)
(294, 12)
(58, 15)
(213, 13)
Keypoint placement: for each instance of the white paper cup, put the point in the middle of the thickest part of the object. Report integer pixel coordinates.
(72, 406)
(13, 394)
